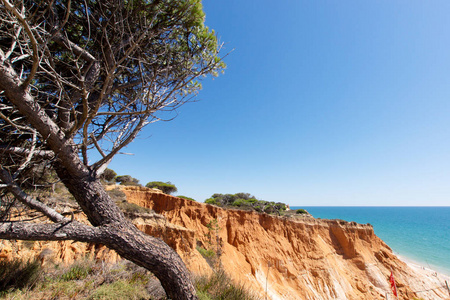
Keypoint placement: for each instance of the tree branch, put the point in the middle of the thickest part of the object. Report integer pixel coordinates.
(77, 50)
(51, 232)
(99, 165)
(50, 131)
(33, 41)
(29, 156)
(45, 154)
(20, 195)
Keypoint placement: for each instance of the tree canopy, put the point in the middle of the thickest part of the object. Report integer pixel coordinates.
(103, 71)
(78, 82)
(246, 201)
(127, 180)
(108, 175)
(165, 187)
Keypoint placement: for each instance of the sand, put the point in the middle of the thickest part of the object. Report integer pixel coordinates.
(431, 280)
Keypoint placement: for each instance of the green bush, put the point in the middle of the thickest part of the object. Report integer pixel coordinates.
(246, 201)
(165, 187)
(238, 202)
(62, 289)
(132, 208)
(108, 175)
(301, 211)
(117, 194)
(211, 201)
(187, 198)
(130, 183)
(206, 253)
(127, 180)
(17, 274)
(229, 199)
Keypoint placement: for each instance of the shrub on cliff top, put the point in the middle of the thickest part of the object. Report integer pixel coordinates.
(212, 201)
(187, 198)
(108, 175)
(165, 187)
(229, 199)
(127, 180)
(246, 201)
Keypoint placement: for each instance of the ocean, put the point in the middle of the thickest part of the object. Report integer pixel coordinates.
(419, 234)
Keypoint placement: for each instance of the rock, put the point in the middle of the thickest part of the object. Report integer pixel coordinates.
(303, 258)
(283, 258)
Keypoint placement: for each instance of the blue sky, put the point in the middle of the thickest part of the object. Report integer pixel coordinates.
(322, 103)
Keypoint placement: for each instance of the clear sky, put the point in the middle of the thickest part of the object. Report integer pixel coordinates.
(322, 103)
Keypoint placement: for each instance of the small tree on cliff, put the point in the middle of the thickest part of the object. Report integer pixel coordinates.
(78, 77)
(165, 187)
(127, 180)
(108, 175)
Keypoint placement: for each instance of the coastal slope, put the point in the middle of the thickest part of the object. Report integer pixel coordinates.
(276, 257)
(289, 258)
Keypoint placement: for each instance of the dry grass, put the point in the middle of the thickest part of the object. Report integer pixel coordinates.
(87, 279)
(219, 286)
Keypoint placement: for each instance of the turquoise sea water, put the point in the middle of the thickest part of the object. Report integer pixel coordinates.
(420, 234)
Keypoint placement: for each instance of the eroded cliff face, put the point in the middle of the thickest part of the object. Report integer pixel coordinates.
(283, 258)
(290, 258)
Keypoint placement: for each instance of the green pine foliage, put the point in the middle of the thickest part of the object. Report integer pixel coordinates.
(127, 180)
(248, 202)
(187, 198)
(166, 187)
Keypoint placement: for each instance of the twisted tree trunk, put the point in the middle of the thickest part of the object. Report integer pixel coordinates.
(119, 234)
(110, 227)
(132, 244)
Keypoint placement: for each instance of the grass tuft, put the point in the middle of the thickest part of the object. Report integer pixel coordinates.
(18, 274)
(78, 271)
(219, 286)
(118, 290)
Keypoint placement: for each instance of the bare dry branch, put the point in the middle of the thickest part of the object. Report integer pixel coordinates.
(33, 41)
(29, 156)
(45, 154)
(20, 195)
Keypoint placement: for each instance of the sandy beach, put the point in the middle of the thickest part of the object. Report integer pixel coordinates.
(434, 286)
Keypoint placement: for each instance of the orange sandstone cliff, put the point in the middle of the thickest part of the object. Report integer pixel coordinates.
(276, 257)
(290, 258)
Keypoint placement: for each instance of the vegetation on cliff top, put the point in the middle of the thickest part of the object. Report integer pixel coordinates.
(166, 187)
(244, 201)
(248, 202)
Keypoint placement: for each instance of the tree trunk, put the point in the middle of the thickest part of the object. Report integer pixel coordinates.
(154, 255)
(118, 233)
(123, 237)
(132, 244)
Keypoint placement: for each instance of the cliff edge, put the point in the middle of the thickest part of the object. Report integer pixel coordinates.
(288, 258)
(274, 256)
